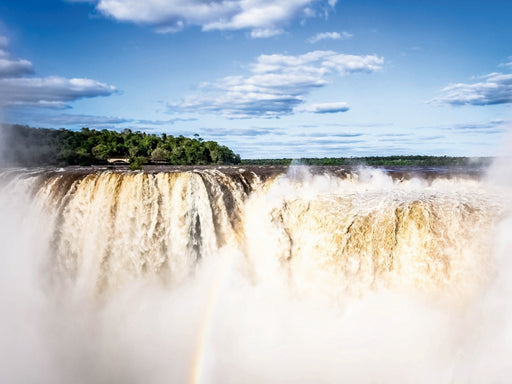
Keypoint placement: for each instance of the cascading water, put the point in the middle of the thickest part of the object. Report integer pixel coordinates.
(225, 276)
(115, 227)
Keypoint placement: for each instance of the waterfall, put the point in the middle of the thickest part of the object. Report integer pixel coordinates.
(227, 275)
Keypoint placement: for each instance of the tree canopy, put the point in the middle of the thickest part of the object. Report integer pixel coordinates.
(28, 146)
(378, 161)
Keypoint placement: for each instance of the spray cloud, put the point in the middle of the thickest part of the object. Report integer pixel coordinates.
(185, 278)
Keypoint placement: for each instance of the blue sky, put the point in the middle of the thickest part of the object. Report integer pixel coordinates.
(289, 78)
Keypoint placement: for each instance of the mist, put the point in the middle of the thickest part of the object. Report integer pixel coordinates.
(85, 295)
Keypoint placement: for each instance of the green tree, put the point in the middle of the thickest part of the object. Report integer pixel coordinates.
(100, 152)
(159, 154)
(138, 162)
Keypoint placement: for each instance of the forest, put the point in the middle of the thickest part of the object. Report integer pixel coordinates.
(379, 161)
(26, 146)
(22, 145)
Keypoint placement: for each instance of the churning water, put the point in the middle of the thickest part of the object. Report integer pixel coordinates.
(210, 276)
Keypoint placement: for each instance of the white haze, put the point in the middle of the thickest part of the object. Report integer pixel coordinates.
(262, 328)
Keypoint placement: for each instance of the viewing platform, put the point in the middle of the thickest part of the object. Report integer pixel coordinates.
(119, 160)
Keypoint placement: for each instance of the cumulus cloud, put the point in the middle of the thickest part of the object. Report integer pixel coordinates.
(50, 91)
(264, 17)
(276, 85)
(496, 88)
(14, 68)
(10, 67)
(330, 36)
(326, 108)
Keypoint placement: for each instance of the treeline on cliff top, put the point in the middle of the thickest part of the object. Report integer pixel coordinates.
(26, 146)
(378, 161)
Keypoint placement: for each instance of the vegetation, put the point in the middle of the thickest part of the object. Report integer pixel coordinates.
(28, 146)
(381, 161)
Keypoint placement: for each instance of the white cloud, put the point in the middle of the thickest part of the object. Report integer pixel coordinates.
(330, 36)
(508, 64)
(326, 108)
(42, 118)
(12, 67)
(173, 15)
(276, 85)
(49, 91)
(495, 89)
(264, 33)
(82, 120)
(488, 127)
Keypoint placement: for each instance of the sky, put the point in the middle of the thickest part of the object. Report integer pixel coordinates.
(269, 79)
